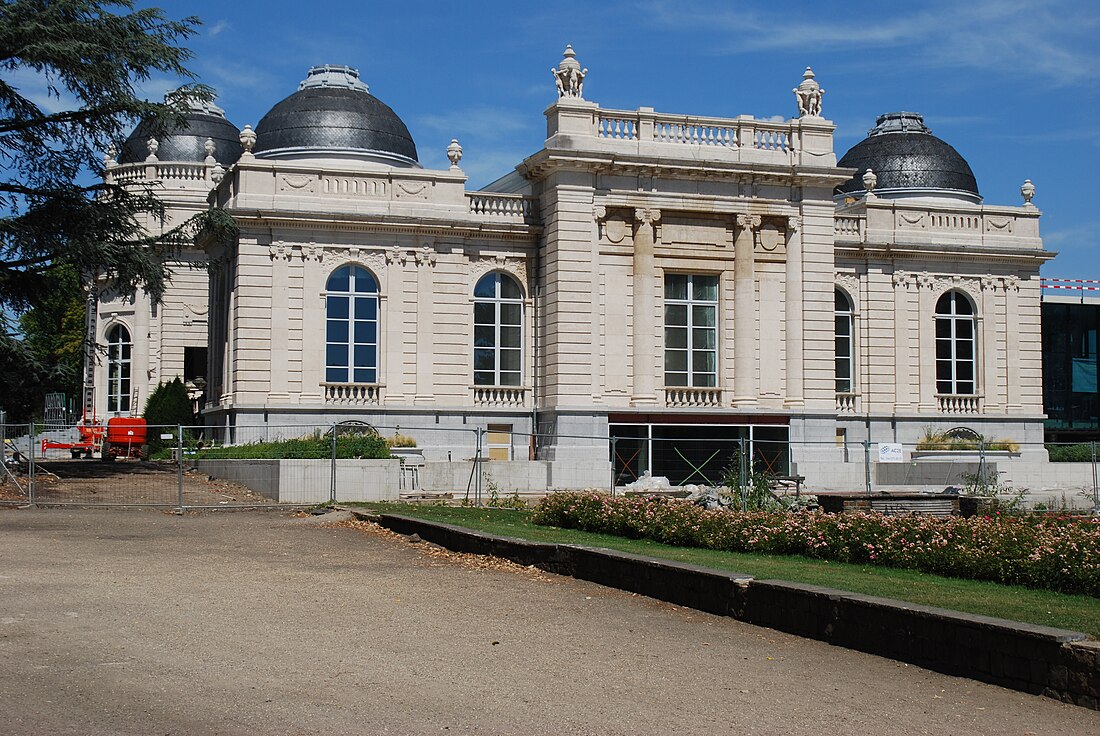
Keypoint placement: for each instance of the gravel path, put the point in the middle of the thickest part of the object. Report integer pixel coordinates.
(139, 622)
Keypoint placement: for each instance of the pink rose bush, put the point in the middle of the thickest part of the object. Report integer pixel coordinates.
(1056, 553)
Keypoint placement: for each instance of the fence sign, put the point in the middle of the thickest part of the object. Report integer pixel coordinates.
(890, 452)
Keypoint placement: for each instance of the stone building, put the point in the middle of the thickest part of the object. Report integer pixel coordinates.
(677, 282)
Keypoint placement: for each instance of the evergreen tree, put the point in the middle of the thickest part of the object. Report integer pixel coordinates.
(55, 210)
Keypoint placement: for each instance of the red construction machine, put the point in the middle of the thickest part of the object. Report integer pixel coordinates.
(90, 440)
(125, 438)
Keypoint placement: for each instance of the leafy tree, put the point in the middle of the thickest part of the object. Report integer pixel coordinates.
(55, 209)
(168, 405)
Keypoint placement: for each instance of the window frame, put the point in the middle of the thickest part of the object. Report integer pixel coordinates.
(948, 346)
(494, 329)
(690, 304)
(120, 368)
(358, 302)
(848, 314)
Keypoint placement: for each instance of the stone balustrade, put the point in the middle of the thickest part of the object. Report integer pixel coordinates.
(506, 396)
(353, 394)
(678, 396)
(847, 403)
(897, 221)
(646, 126)
(513, 207)
(848, 227)
(958, 404)
(154, 171)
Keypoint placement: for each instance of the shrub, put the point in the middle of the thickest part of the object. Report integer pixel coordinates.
(317, 446)
(1081, 453)
(168, 405)
(400, 440)
(1057, 553)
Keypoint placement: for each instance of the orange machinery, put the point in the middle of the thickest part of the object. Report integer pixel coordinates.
(125, 438)
(91, 438)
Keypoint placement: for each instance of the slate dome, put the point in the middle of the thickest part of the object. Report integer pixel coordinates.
(333, 113)
(186, 143)
(908, 161)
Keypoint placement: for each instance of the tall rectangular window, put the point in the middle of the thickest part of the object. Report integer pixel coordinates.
(691, 330)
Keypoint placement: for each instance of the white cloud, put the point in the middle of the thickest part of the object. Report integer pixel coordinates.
(218, 28)
(1025, 39)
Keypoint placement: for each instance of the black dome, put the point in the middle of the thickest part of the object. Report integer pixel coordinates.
(186, 143)
(333, 111)
(904, 154)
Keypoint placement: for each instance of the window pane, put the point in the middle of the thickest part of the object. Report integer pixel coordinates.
(366, 332)
(484, 313)
(943, 304)
(486, 287)
(510, 379)
(484, 378)
(843, 348)
(336, 375)
(366, 308)
(509, 289)
(364, 356)
(843, 368)
(339, 280)
(703, 379)
(964, 349)
(676, 314)
(840, 302)
(965, 388)
(703, 316)
(964, 329)
(337, 330)
(705, 288)
(510, 314)
(964, 371)
(962, 305)
(484, 337)
(484, 360)
(943, 386)
(703, 337)
(676, 360)
(943, 349)
(943, 370)
(676, 286)
(843, 325)
(703, 360)
(676, 337)
(364, 282)
(843, 386)
(509, 360)
(337, 307)
(366, 375)
(509, 337)
(676, 379)
(126, 348)
(336, 355)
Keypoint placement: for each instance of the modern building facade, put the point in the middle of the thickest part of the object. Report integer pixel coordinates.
(674, 281)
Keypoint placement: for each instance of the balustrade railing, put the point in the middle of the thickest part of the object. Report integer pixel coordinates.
(846, 403)
(847, 226)
(506, 206)
(676, 396)
(175, 171)
(692, 130)
(353, 394)
(958, 404)
(499, 395)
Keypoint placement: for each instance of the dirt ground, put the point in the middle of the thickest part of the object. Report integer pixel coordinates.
(141, 622)
(124, 482)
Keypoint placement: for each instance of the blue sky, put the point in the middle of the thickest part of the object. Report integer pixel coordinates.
(1012, 85)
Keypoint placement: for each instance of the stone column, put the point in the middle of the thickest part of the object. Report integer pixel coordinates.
(1012, 345)
(926, 329)
(425, 327)
(645, 331)
(744, 311)
(392, 328)
(793, 313)
(903, 390)
(279, 387)
(987, 361)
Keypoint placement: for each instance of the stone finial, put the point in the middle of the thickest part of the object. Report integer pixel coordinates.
(808, 94)
(870, 181)
(209, 147)
(1028, 191)
(152, 145)
(110, 159)
(217, 174)
(248, 139)
(568, 76)
(454, 153)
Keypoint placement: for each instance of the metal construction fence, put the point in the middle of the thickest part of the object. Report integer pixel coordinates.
(268, 466)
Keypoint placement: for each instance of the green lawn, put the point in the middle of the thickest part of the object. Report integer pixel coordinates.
(1076, 612)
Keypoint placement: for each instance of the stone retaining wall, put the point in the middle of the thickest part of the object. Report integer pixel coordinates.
(1056, 663)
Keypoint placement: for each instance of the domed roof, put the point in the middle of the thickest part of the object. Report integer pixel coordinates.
(908, 161)
(334, 113)
(186, 143)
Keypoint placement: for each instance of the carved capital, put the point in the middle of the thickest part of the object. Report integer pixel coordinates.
(902, 279)
(647, 216)
(748, 222)
(395, 254)
(926, 281)
(989, 283)
(794, 224)
(1012, 283)
(599, 212)
(425, 256)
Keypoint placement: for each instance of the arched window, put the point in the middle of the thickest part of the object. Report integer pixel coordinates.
(498, 331)
(956, 357)
(119, 349)
(351, 326)
(845, 383)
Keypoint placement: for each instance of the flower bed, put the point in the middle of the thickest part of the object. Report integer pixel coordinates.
(1060, 554)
